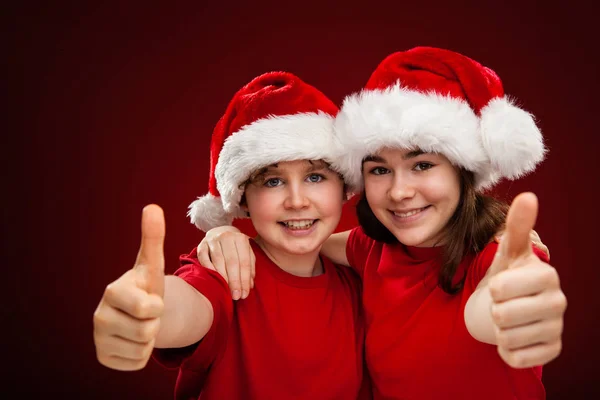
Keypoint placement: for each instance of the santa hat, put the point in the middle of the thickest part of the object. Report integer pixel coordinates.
(274, 118)
(443, 102)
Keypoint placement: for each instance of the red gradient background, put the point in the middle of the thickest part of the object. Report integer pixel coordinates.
(111, 107)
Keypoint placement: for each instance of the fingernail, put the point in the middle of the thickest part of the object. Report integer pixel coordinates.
(244, 294)
(236, 294)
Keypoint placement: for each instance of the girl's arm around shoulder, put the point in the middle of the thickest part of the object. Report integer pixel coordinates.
(334, 248)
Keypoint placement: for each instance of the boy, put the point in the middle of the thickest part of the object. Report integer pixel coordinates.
(299, 334)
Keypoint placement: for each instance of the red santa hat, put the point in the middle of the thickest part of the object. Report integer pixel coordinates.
(276, 117)
(443, 102)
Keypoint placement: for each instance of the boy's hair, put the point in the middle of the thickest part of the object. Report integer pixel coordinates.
(474, 222)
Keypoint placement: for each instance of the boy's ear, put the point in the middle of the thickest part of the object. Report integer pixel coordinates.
(243, 204)
(346, 194)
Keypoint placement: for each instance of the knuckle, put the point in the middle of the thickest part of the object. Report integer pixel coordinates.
(550, 353)
(147, 353)
(498, 315)
(557, 347)
(225, 235)
(110, 292)
(100, 321)
(550, 277)
(141, 364)
(558, 303)
(146, 332)
(497, 288)
(559, 327)
(519, 361)
(105, 360)
(216, 256)
(231, 262)
(514, 358)
(504, 340)
(139, 309)
(141, 352)
(160, 307)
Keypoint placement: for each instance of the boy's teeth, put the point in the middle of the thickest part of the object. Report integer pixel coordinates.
(299, 224)
(408, 214)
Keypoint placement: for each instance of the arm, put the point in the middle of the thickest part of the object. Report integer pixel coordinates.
(187, 317)
(478, 317)
(227, 250)
(144, 309)
(334, 248)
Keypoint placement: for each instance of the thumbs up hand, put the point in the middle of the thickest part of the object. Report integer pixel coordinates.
(527, 303)
(127, 320)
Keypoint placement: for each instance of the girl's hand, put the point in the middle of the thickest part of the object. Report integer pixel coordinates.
(528, 304)
(226, 250)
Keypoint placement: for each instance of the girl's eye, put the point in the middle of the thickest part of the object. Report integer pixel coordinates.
(423, 166)
(273, 182)
(315, 178)
(379, 171)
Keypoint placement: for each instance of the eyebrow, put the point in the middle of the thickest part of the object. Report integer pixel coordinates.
(316, 165)
(407, 156)
(258, 175)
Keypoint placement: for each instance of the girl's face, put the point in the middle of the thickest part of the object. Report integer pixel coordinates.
(295, 205)
(413, 194)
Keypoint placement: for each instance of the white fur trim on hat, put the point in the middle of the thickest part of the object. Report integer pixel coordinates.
(207, 212)
(398, 117)
(305, 136)
(511, 138)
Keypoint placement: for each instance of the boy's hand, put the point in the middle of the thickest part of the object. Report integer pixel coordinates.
(127, 319)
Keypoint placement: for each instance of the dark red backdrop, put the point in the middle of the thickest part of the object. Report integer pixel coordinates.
(111, 107)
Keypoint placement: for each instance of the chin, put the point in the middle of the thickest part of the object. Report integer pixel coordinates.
(415, 239)
(301, 247)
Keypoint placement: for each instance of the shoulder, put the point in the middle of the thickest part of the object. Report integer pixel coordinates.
(359, 238)
(487, 254)
(341, 273)
(205, 280)
(479, 263)
(360, 243)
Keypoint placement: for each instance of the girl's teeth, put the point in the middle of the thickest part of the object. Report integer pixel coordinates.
(408, 214)
(298, 224)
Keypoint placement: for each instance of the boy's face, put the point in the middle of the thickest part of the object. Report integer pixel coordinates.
(295, 205)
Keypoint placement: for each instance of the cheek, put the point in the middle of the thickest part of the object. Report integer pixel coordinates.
(442, 188)
(375, 191)
(261, 203)
(331, 198)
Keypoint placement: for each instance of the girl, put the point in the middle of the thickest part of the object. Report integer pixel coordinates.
(272, 147)
(448, 316)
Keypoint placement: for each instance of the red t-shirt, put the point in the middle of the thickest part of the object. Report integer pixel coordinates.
(291, 338)
(417, 345)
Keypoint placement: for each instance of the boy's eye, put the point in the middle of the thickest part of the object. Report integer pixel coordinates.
(315, 178)
(423, 166)
(379, 171)
(272, 182)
